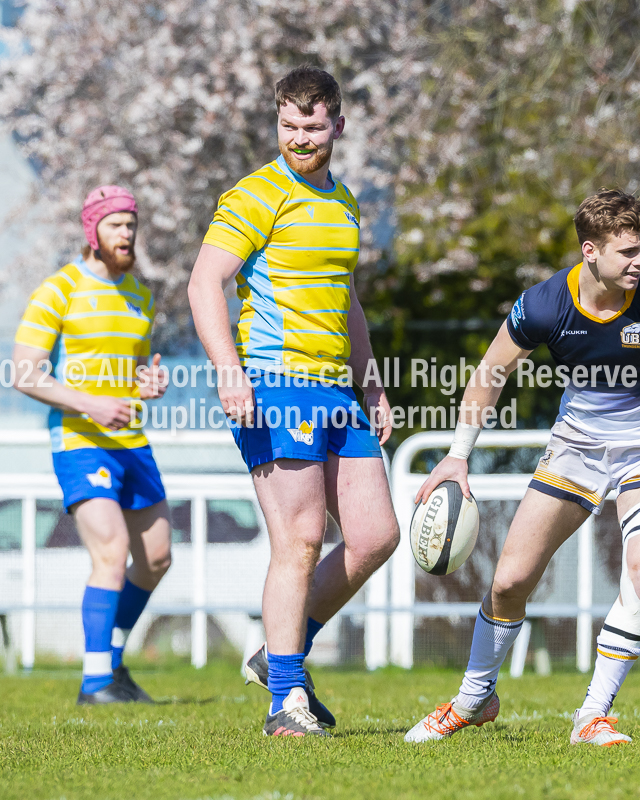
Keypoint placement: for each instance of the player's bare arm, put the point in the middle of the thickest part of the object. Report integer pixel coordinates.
(214, 269)
(483, 391)
(361, 356)
(113, 413)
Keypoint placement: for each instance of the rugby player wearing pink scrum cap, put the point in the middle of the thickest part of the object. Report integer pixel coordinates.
(93, 320)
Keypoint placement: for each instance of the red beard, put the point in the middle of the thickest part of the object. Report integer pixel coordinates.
(319, 159)
(117, 262)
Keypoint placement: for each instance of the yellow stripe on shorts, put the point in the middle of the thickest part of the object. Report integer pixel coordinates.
(558, 482)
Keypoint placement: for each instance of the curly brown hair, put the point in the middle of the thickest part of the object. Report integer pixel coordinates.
(609, 211)
(306, 86)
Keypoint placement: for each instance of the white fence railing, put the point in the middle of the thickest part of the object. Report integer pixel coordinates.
(205, 579)
(218, 579)
(405, 485)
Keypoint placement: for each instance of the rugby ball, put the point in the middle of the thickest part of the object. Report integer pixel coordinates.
(444, 529)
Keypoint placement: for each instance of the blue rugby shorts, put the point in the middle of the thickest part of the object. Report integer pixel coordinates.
(304, 422)
(130, 477)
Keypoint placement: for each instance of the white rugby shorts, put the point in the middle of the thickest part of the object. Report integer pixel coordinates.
(577, 467)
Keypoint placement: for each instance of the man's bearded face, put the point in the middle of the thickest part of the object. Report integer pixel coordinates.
(116, 239)
(306, 142)
(315, 157)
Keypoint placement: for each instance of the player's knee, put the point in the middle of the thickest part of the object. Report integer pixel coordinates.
(393, 540)
(372, 549)
(114, 548)
(509, 586)
(307, 546)
(112, 567)
(386, 543)
(160, 564)
(633, 573)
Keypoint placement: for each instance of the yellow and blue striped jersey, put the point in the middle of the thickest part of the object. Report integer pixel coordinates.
(300, 245)
(95, 330)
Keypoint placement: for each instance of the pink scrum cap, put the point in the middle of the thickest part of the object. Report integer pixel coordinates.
(99, 203)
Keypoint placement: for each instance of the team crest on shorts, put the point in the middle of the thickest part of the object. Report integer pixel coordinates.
(630, 335)
(546, 458)
(304, 433)
(101, 477)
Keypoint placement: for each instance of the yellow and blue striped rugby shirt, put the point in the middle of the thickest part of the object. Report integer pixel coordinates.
(96, 327)
(300, 245)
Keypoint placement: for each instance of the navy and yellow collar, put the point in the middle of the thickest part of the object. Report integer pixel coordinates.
(573, 279)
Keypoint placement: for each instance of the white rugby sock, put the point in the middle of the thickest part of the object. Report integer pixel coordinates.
(619, 639)
(492, 638)
(616, 655)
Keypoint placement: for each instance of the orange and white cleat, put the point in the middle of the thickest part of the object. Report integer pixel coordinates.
(592, 729)
(450, 718)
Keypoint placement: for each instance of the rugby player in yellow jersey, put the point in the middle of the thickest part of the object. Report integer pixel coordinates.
(289, 235)
(93, 320)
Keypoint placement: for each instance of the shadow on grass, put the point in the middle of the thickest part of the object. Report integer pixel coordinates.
(390, 730)
(185, 701)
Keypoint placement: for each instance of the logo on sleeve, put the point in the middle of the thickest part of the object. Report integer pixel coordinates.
(630, 335)
(351, 218)
(133, 308)
(102, 477)
(517, 312)
(304, 433)
(546, 458)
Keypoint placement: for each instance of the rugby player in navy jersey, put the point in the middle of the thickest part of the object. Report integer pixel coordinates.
(589, 317)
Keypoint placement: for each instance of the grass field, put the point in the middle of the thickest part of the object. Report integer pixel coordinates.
(204, 740)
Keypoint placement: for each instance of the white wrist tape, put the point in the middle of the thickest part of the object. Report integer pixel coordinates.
(463, 440)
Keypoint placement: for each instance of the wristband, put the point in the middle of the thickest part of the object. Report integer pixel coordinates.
(463, 440)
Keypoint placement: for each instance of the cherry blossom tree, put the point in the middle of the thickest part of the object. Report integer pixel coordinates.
(175, 101)
(474, 127)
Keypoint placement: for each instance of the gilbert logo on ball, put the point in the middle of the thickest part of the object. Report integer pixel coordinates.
(444, 529)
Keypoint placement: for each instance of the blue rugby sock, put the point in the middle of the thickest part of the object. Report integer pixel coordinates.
(132, 602)
(313, 628)
(285, 673)
(98, 615)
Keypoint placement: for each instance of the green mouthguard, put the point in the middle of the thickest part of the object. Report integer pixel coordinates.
(301, 150)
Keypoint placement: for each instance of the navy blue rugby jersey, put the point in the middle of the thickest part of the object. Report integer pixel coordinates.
(602, 400)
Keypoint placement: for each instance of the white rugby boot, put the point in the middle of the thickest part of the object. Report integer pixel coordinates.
(449, 718)
(592, 729)
(294, 718)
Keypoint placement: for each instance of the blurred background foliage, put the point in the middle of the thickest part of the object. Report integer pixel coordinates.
(474, 129)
